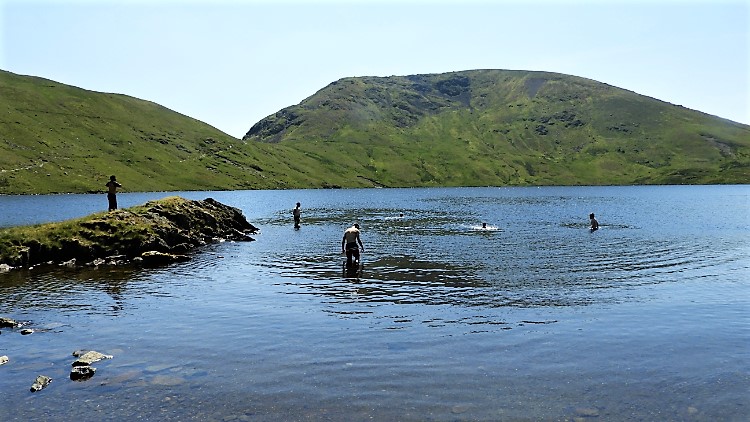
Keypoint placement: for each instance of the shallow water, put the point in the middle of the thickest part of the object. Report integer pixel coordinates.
(644, 319)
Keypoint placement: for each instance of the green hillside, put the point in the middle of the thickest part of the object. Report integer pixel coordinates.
(59, 138)
(473, 128)
(494, 127)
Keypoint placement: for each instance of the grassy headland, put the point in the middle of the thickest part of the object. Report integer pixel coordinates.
(172, 224)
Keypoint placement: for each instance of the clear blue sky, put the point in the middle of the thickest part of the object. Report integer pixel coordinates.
(230, 63)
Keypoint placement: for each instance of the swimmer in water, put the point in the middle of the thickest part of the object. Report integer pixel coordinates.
(296, 213)
(594, 223)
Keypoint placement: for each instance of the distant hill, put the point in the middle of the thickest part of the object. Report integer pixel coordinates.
(472, 128)
(497, 127)
(59, 138)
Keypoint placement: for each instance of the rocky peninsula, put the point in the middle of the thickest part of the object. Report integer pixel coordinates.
(156, 232)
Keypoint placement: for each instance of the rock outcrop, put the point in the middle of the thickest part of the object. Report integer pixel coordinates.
(41, 382)
(91, 356)
(82, 373)
(82, 369)
(8, 323)
(157, 232)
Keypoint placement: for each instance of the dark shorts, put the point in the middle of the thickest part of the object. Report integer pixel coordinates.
(351, 246)
(112, 199)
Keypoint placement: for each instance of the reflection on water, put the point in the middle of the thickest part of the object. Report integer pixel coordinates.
(67, 289)
(537, 320)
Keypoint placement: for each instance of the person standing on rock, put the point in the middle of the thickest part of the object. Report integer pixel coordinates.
(297, 213)
(112, 192)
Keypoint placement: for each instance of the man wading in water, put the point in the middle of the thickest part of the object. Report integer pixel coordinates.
(297, 213)
(349, 244)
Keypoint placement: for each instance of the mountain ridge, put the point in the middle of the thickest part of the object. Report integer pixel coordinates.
(514, 118)
(467, 128)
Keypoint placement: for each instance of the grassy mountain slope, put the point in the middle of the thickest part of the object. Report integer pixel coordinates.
(486, 127)
(59, 138)
(494, 127)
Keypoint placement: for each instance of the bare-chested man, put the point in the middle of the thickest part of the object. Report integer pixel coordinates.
(349, 244)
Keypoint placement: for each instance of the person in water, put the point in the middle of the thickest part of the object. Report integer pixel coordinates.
(349, 244)
(297, 213)
(112, 185)
(594, 223)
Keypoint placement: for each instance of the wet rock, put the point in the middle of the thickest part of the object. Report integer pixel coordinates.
(41, 382)
(4, 268)
(460, 408)
(80, 352)
(4, 360)
(181, 248)
(7, 323)
(27, 331)
(70, 264)
(97, 262)
(161, 258)
(90, 357)
(82, 373)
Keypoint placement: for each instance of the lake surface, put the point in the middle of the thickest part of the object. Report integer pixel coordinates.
(647, 318)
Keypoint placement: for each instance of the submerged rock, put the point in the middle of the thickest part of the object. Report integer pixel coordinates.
(41, 382)
(166, 380)
(587, 412)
